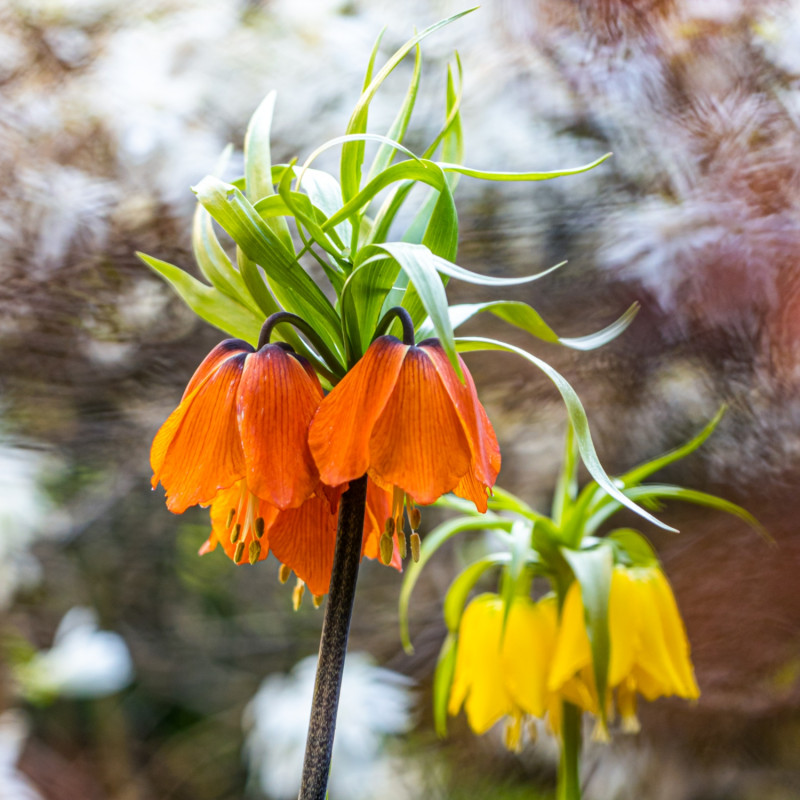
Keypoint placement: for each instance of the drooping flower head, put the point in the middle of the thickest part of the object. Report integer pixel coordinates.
(402, 416)
(238, 442)
(649, 650)
(504, 675)
(244, 414)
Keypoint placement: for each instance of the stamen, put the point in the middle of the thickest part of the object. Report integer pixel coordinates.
(512, 734)
(414, 518)
(317, 600)
(297, 594)
(284, 573)
(255, 551)
(387, 548)
(532, 729)
(237, 556)
(231, 515)
(415, 542)
(402, 544)
(388, 528)
(235, 533)
(259, 526)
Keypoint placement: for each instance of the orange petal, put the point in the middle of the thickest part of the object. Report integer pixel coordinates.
(197, 451)
(238, 506)
(304, 539)
(418, 442)
(277, 400)
(340, 431)
(212, 361)
(480, 434)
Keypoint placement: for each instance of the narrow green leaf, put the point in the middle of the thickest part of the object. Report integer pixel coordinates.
(577, 417)
(593, 568)
(430, 544)
(668, 492)
(353, 152)
(210, 304)
(456, 597)
(214, 263)
(567, 487)
(258, 164)
(521, 176)
(638, 474)
(400, 124)
(442, 681)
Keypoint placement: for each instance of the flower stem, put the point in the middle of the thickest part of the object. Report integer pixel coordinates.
(569, 783)
(333, 644)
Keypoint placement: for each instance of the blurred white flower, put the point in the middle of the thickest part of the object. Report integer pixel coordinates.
(84, 662)
(13, 732)
(23, 509)
(374, 703)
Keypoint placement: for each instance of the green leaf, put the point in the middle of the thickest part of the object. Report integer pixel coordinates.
(576, 414)
(638, 474)
(521, 176)
(400, 124)
(523, 316)
(442, 681)
(567, 487)
(638, 552)
(353, 152)
(292, 286)
(258, 164)
(666, 492)
(210, 304)
(519, 556)
(214, 263)
(430, 544)
(457, 594)
(593, 568)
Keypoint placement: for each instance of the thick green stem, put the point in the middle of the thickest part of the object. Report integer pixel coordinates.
(333, 644)
(569, 781)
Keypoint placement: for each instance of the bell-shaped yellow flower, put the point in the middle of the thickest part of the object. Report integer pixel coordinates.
(497, 676)
(649, 649)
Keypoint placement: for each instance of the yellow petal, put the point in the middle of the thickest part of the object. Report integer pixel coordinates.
(572, 652)
(478, 679)
(528, 651)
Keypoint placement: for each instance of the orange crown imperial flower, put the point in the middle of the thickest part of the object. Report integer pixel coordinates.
(402, 416)
(244, 414)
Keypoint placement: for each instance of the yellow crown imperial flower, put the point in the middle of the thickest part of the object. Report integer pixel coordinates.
(497, 676)
(649, 650)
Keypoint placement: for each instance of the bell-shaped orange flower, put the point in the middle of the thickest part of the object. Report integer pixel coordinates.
(402, 416)
(303, 538)
(244, 414)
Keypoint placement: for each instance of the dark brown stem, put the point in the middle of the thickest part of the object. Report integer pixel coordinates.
(333, 644)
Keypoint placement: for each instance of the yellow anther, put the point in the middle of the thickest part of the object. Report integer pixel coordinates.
(231, 515)
(402, 544)
(259, 526)
(532, 729)
(387, 549)
(415, 546)
(512, 734)
(317, 600)
(414, 518)
(297, 594)
(235, 533)
(255, 551)
(630, 724)
(600, 733)
(237, 556)
(284, 573)
(388, 528)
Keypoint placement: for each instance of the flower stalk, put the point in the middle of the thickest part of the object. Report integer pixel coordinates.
(569, 782)
(333, 644)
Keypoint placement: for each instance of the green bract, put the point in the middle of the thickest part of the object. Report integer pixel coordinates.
(563, 547)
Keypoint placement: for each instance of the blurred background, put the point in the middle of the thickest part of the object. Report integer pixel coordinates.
(131, 668)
